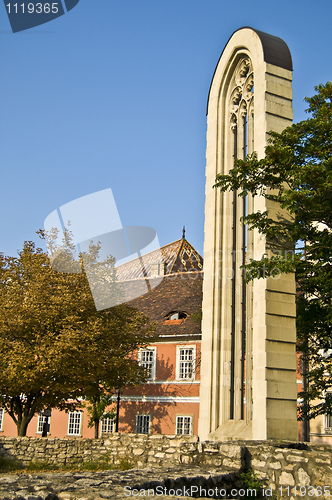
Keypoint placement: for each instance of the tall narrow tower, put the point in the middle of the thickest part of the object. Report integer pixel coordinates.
(248, 367)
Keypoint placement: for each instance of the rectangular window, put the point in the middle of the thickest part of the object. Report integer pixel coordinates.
(328, 423)
(183, 425)
(107, 425)
(74, 423)
(147, 359)
(186, 363)
(328, 416)
(2, 412)
(142, 424)
(41, 421)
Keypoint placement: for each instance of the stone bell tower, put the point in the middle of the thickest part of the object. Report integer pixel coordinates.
(248, 366)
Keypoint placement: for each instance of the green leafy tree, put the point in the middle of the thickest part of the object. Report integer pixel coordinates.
(109, 347)
(99, 407)
(297, 173)
(55, 348)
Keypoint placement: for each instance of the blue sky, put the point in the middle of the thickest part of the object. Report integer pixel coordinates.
(113, 95)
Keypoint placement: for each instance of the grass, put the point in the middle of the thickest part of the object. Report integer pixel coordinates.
(125, 464)
(251, 481)
(10, 465)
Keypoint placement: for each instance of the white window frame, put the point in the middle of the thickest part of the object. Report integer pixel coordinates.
(107, 425)
(179, 361)
(181, 424)
(328, 423)
(142, 425)
(141, 361)
(40, 423)
(328, 416)
(74, 415)
(2, 416)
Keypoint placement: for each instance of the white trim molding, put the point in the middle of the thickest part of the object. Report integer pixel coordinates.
(160, 399)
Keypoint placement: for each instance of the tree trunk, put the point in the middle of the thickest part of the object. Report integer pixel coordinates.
(96, 418)
(96, 428)
(22, 426)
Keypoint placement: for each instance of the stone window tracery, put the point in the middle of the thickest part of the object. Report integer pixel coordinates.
(241, 101)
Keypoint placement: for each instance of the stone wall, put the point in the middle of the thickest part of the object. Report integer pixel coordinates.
(279, 464)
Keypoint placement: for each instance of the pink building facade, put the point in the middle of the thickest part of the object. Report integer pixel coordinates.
(168, 403)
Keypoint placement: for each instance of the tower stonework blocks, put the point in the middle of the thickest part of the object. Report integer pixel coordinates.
(248, 366)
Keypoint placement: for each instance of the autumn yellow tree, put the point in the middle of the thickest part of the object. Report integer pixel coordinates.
(55, 348)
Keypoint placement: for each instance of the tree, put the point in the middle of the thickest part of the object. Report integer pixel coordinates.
(109, 348)
(297, 173)
(54, 346)
(96, 408)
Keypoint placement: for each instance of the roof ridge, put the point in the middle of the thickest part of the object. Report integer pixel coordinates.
(177, 254)
(168, 255)
(151, 251)
(175, 273)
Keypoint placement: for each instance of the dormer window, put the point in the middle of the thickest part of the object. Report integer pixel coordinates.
(174, 315)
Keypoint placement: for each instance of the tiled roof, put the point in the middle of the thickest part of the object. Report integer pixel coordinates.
(178, 256)
(177, 289)
(176, 292)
